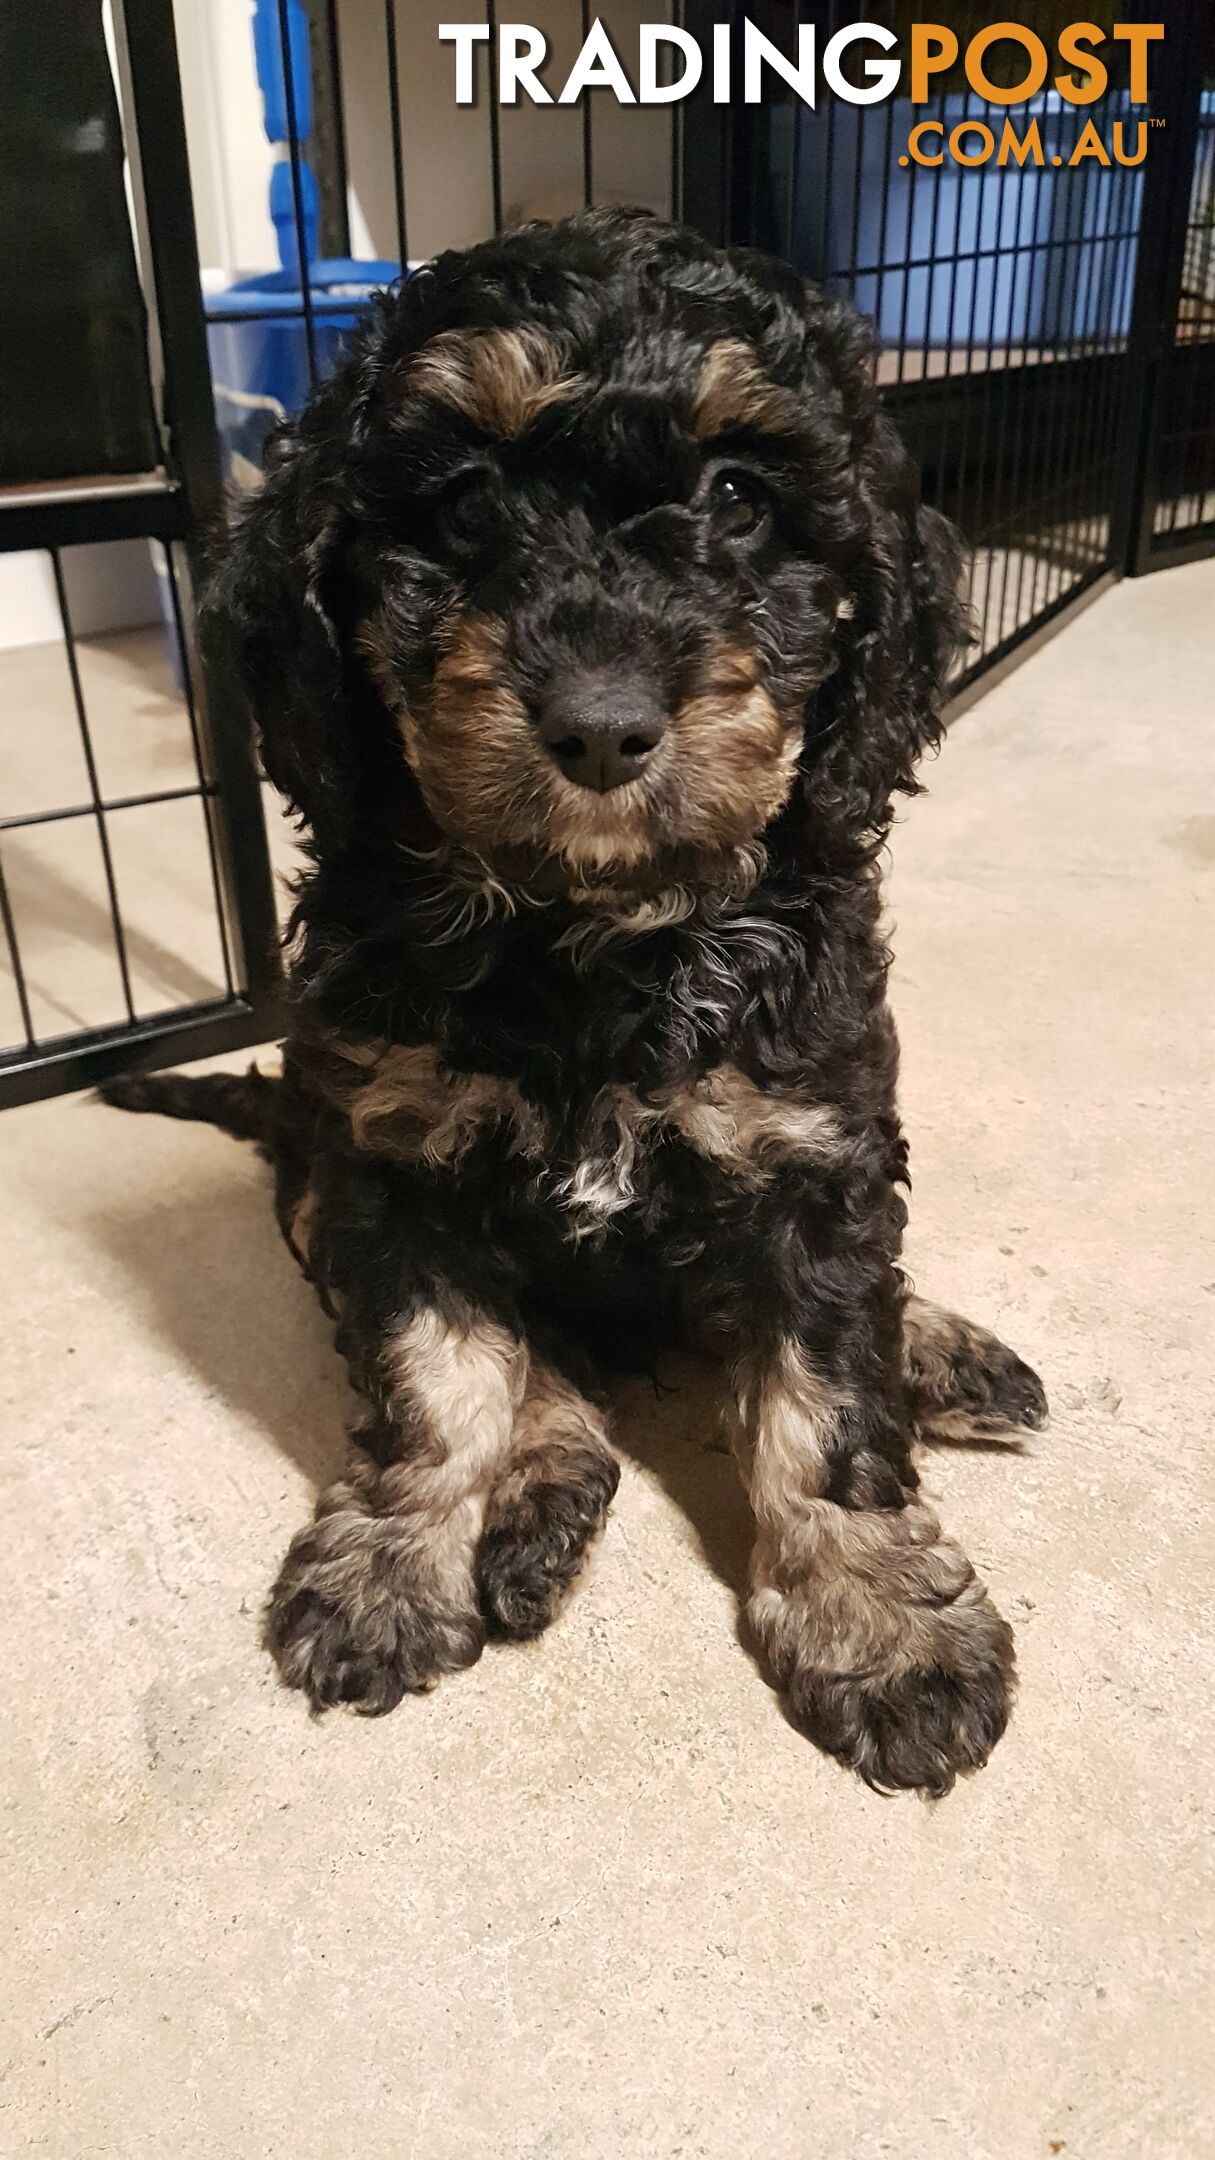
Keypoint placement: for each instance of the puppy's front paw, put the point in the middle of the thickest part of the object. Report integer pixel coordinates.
(894, 1658)
(961, 1377)
(542, 1520)
(992, 1382)
(915, 1730)
(352, 1619)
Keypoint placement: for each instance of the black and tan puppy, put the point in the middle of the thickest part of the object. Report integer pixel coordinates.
(591, 621)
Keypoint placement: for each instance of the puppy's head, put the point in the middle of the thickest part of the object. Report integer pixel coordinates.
(597, 560)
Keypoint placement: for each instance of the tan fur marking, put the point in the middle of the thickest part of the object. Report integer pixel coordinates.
(491, 786)
(961, 1379)
(299, 1230)
(873, 1593)
(546, 1506)
(379, 1595)
(742, 756)
(727, 1117)
(458, 1390)
(733, 392)
(402, 1102)
(933, 1339)
(461, 1387)
(723, 1115)
(499, 379)
(553, 1414)
(877, 1593)
(787, 1418)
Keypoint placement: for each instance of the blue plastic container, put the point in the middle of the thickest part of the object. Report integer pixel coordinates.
(259, 361)
(1029, 269)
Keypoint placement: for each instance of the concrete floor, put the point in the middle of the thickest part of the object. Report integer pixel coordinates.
(595, 1900)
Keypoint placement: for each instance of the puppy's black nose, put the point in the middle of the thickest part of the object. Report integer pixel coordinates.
(600, 728)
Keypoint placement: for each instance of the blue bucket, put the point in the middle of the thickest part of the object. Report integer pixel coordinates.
(258, 348)
(259, 367)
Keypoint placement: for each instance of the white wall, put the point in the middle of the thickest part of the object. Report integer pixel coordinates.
(230, 159)
(446, 147)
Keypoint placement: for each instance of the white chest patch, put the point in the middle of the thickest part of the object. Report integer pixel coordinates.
(723, 1116)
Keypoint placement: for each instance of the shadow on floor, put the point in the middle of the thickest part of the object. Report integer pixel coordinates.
(220, 1291)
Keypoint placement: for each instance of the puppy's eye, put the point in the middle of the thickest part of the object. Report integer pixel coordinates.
(738, 504)
(465, 513)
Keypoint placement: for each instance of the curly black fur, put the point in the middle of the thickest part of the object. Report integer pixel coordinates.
(554, 1060)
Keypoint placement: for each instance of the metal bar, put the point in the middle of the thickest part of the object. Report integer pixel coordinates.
(394, 119)
(297, 187)
(109, 805)
(1004, 468)
(205, 789)
(735, 227)
(75, 514)
(858, 181)
(14, 954)
(495, 118)
(1089, 462)
(1197, 545)
(795, 144)
(1031, 417)
(588, 166)
(284, 310)
(1192, 334)
(975, 254)
(985, 411)
(977, 681)
(967, 344)
(61, 1064)
(90, 762)
(1067, 294)
(333, 49)
(1120, 264)
(884, 217)
(1167, 179)
(676, 111)
(907, 274)
(156, 152)
(828, 168)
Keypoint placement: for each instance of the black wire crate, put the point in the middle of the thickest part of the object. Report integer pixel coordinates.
(1017, 304)
(136, 907)
(1015, 344)
(1175, 512)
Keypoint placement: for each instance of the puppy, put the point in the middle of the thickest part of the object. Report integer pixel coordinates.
(591, 622)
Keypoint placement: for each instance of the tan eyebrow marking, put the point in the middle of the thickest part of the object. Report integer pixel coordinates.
(734, 392)
(499, 379)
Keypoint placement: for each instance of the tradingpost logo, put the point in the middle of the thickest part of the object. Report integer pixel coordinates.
(863, 63)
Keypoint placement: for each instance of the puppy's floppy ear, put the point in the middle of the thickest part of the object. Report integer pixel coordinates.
(273, 607)
(906, 621)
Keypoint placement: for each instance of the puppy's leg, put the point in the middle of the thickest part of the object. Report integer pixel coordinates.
(378, 1596)
(961, 1377)
(548, 1503)
(892, 1655)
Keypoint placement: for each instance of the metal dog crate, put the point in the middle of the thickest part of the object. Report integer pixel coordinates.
(74, 848)
(1046, 342)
